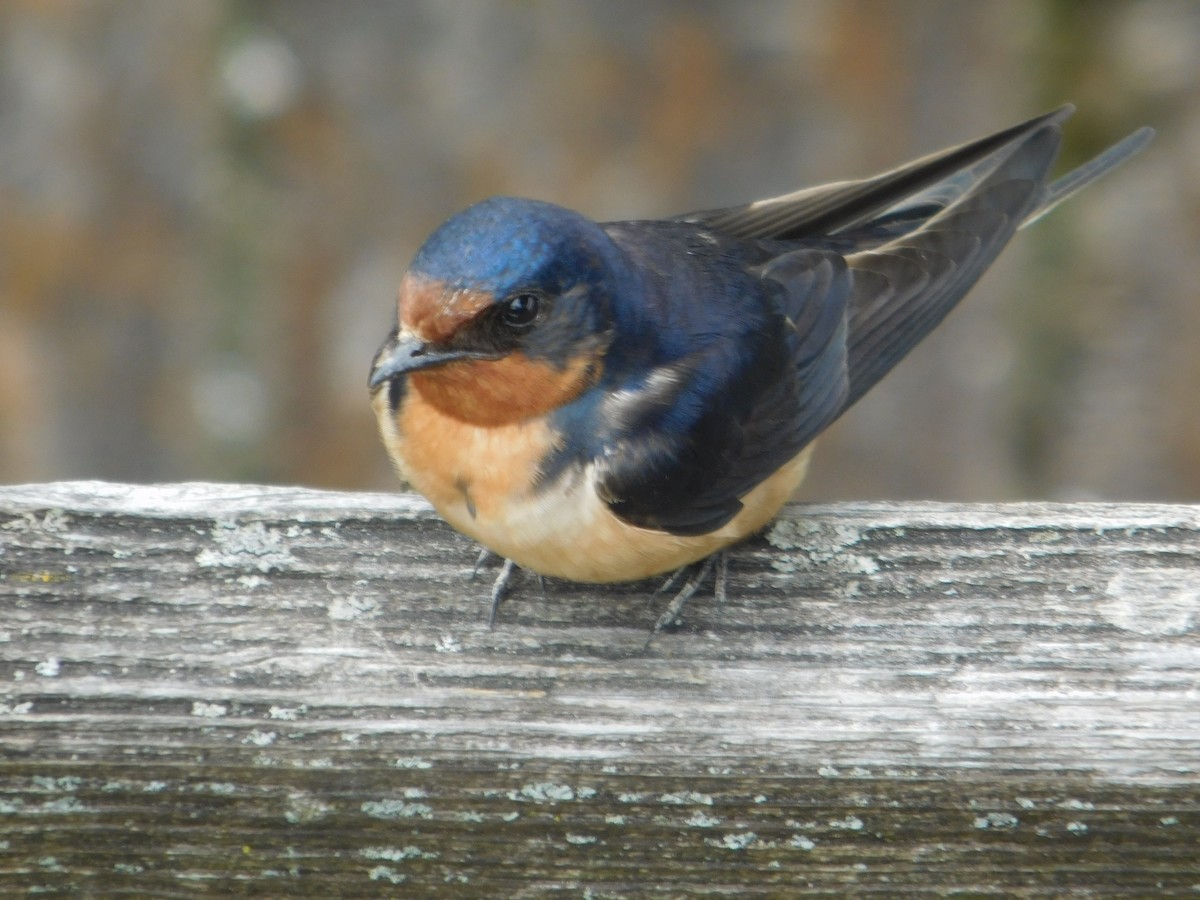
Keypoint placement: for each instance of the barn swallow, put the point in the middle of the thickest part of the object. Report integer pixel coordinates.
(607, 402)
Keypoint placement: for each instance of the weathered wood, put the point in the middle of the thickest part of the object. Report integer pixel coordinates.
(212, 689)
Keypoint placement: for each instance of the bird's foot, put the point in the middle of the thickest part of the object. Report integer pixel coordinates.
(718, 563)
(484, 555)
(500, 588)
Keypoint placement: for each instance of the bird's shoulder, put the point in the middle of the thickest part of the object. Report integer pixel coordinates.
(704, 402)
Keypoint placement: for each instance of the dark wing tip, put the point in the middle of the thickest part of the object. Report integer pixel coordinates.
(826, 209)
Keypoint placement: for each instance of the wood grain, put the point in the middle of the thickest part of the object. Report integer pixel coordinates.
(213, 689)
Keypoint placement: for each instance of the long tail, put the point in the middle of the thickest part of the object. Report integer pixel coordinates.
(1077, 179)
(895, 201)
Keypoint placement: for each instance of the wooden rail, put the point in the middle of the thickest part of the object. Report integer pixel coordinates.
(212, 689)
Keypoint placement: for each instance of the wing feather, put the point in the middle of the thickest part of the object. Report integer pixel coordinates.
(686, 475)
(849, 277)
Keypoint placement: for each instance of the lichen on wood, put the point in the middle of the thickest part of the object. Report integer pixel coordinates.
(214, 688)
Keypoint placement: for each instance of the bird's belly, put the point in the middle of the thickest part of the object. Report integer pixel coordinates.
(482, 480)
(573, 534)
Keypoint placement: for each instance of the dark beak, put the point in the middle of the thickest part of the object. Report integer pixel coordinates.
(405, 354)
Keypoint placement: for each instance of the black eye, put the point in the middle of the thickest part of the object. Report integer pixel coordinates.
(519, 312)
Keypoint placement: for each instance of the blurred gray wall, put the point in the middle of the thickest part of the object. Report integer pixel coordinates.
(205, 208)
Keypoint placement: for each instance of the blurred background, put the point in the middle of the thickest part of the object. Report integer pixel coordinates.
(205, 208)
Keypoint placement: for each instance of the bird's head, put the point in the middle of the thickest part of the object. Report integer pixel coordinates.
(505, 312)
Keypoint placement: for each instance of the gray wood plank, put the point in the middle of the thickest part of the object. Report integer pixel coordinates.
(209, 688)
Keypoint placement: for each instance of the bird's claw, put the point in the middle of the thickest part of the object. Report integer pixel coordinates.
(484, 555)
(500, 588)
(717, 563)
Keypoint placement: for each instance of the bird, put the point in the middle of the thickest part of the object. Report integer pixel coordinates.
(610, 401)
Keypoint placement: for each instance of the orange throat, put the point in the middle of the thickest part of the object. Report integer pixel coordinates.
(493, 392)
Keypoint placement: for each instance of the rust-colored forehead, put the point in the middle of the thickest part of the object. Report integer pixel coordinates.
(434, 311)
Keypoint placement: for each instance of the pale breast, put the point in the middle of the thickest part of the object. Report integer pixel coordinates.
(481, 480)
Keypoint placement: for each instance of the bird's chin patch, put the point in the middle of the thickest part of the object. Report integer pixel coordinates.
(493, 392)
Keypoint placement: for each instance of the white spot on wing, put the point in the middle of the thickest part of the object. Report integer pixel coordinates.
(659, 386)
